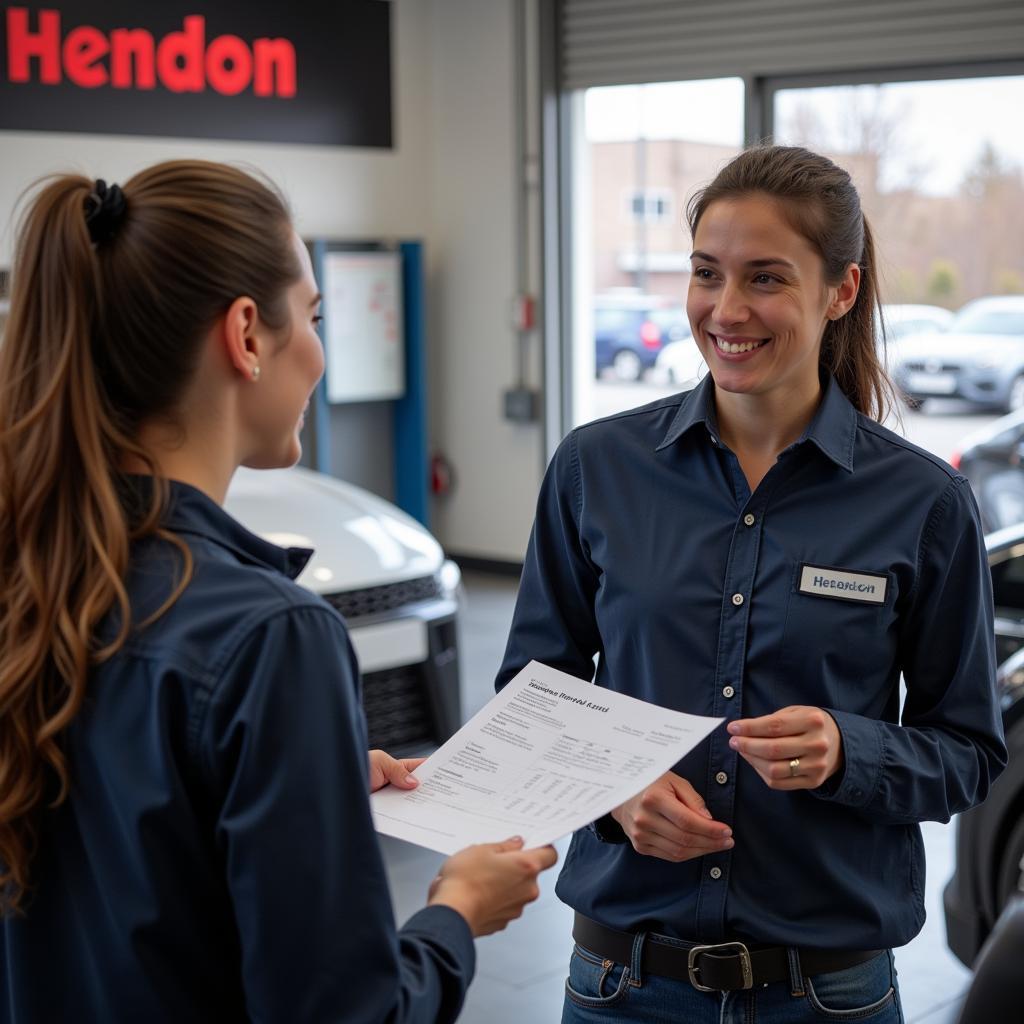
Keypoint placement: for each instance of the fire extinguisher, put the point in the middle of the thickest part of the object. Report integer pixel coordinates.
(442, 475)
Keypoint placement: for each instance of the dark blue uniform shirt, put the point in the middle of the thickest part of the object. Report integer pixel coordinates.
(216, 860)
(650, 551)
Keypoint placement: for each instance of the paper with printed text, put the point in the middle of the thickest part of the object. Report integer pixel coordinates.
(546, 756)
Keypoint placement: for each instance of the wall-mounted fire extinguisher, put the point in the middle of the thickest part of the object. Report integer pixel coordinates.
(442, 475)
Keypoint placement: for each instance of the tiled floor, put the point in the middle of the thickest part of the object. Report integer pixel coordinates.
(521, 972)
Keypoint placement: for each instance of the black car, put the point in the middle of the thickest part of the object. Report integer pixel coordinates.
(990, 837)
(629, 332)
(993, 460)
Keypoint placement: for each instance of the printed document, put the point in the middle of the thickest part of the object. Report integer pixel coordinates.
(546, 756)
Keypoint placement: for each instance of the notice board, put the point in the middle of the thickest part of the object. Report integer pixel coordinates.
(363, 338)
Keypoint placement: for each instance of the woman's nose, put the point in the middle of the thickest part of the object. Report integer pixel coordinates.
(730, 307)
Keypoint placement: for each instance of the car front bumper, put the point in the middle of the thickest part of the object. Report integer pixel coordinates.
(980, 386)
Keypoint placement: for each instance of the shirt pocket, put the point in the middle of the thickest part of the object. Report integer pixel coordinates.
(836, 652)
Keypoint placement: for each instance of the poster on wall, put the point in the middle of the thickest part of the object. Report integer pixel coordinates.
(365, 348)
(305, 71)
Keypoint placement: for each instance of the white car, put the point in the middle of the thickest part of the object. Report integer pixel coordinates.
(679, 364)
(901, 319)
(978, 359)
(390, 580)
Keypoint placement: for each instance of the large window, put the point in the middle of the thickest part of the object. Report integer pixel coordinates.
(939, 168)
(641, 150)
(939, 164)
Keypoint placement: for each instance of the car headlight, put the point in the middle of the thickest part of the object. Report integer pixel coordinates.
(449, 578)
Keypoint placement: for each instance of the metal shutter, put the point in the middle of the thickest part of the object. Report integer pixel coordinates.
(613, 42)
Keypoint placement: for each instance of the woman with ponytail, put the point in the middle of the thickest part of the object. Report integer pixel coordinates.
(762, 549)
(185, 833)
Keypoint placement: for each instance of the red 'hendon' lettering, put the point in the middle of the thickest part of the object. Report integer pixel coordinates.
(133, 59)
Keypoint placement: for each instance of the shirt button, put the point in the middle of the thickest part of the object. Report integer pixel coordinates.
(715, 873)
(728, 691)
(749, 519)
(721, 778)
(737, 599)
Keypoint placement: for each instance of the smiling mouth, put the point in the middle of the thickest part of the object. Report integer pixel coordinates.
(739, 345)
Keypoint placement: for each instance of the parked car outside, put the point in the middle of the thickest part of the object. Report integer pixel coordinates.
(390, 580)
(901, 319)
(979, 358)
(631, 329)
(680, 364)
(990, 837)
(992, 459)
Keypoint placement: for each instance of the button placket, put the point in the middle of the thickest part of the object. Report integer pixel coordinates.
(732, 648)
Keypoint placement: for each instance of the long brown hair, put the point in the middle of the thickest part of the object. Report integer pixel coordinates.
(105, 332)
(820, 201)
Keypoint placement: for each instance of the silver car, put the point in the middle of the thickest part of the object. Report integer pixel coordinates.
(390, 580)
(979, 357)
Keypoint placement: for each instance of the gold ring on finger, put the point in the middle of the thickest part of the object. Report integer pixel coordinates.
(794, 767)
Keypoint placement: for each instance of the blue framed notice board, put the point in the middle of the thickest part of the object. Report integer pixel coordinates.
(374, 349)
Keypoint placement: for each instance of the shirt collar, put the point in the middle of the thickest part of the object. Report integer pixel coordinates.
(833, 428)
(191, 511)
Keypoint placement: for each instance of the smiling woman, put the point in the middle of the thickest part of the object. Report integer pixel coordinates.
(763, 550)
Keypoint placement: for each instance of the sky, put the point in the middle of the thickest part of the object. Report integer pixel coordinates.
(936, 129)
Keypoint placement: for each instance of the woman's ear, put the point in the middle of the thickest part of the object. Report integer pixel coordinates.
(844, 294)
(241, 339)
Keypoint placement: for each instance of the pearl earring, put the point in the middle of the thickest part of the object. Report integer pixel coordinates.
(255, 373)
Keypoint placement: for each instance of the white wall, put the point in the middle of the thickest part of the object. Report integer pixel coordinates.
(449, 180)
(473, 281)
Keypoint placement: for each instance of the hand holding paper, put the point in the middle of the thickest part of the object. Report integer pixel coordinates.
(546, 756)
(489, 884)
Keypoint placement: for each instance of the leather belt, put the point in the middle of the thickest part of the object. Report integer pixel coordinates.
(721, 967)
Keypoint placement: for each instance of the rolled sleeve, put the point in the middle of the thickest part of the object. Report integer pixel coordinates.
(284, 743)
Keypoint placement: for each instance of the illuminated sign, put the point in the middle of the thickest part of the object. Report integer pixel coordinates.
(296, 72)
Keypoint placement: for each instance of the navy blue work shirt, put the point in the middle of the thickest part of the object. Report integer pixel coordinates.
(650, 551)
(216, 860)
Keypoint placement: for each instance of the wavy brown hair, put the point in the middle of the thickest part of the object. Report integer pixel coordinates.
(820, 201)
(101, 337)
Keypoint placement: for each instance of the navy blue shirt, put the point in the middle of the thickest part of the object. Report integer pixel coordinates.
(650, 552)
(216, 860)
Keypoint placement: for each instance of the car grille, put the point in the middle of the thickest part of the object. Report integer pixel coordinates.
(355, 604)
(919, 367)
(398, 713)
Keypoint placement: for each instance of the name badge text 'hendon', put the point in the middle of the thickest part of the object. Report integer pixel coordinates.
(868, 587)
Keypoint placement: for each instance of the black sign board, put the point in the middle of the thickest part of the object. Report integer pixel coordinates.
(267, 70)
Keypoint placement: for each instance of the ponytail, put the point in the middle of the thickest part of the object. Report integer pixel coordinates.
(105, 326)
(850, 346)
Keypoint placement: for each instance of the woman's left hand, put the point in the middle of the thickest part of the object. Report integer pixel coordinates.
(795, 748)
(387, 770)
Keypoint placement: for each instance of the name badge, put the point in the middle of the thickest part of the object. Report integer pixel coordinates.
(843, 585)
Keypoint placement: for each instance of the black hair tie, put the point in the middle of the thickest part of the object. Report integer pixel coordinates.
(105, 207)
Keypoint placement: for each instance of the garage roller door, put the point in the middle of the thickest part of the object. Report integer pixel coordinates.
(613, 42)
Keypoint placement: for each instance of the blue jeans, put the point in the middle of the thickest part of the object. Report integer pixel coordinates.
(595, 992)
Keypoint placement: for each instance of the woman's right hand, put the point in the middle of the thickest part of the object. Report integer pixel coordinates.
(669, 820)
(490, 884)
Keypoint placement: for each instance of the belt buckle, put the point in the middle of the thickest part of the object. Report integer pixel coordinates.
(745, 968)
